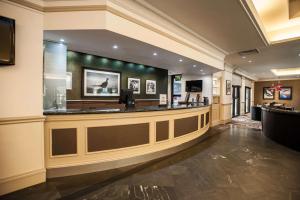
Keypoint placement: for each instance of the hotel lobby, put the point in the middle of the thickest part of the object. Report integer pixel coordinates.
(149, 99)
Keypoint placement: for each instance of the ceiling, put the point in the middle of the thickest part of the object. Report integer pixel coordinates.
(277, 56)
(225, 23)
(101, 42)
(280, 18)
(222, 22)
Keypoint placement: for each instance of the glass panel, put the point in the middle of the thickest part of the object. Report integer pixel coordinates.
(55, 68)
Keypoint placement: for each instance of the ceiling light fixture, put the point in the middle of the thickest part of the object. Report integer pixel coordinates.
(115, 46)
(286, 72)
(194, 65)
(244, 57)
(180, 60)
(201, 70)
(61, 40)
(155, 54)
(249, 61)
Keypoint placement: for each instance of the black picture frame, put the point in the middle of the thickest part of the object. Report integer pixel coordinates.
(228, 87)
(288, 97)
(129, 79)
(104, 71)
(266, 93)
(12, 41)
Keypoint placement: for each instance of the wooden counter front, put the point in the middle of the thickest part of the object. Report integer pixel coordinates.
(76, 144)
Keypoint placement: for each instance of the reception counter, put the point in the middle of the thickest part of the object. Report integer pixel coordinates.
(282, 126)
(82, 141)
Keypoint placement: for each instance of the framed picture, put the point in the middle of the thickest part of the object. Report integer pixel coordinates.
(228, 87)
(268, 93)
(286, 93)
(150, 87)
(100, 83)
(135, 85)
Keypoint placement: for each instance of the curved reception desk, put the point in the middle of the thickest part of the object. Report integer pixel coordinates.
(282, 126)
(83, 141)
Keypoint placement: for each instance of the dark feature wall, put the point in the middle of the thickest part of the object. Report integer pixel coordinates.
(76, 61)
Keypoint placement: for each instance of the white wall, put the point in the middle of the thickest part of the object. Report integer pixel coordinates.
(226, 99)
(236, 80)
(207, 87)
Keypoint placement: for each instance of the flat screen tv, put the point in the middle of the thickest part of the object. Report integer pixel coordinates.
(7, 41)
(193, 86)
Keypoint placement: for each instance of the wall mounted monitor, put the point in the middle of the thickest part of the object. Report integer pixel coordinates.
(193, 86)
(7, 41)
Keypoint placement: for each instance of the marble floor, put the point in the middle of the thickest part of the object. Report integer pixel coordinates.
(245, 121)
(233, 163)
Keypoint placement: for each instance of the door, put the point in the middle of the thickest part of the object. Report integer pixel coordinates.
(247, 99)
(235, 100)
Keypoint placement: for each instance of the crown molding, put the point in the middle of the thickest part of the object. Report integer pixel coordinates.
(245, 74)
(250, 10)
(123, 12)
(278, 79)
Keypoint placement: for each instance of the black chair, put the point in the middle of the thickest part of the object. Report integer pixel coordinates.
(256, 113)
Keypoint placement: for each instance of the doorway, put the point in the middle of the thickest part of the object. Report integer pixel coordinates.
(236, 100)
(247, 99)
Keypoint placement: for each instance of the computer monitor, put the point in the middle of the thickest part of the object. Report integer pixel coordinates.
(126, 97)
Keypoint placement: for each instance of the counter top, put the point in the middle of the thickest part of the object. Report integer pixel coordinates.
(278, 110)
(122, 110)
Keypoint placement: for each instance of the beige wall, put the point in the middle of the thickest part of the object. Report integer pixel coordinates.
(21, 84)
(21, 139)
(295, 84)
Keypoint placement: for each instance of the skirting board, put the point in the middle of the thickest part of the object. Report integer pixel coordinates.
(216, 123)
(21, 181)
(226, 121)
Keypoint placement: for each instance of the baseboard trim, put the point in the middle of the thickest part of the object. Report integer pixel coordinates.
(225, 121)
(19, 120)
(216, 123)
(20, 181)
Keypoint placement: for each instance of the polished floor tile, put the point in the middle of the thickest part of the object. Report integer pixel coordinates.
(233, 163)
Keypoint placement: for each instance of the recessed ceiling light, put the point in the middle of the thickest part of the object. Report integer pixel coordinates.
(62, 40)
(286, 72)
(155, 54)
(180, 60)
(194, 65)
(201, 70)
(115, 46)
(243, 57)
(299, 54)
(249, 61)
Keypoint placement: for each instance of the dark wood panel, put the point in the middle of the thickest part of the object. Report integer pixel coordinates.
(114, 137)
(162, 130)
(64, 141)
(185, 125)
(207, 118)
(202, 120)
